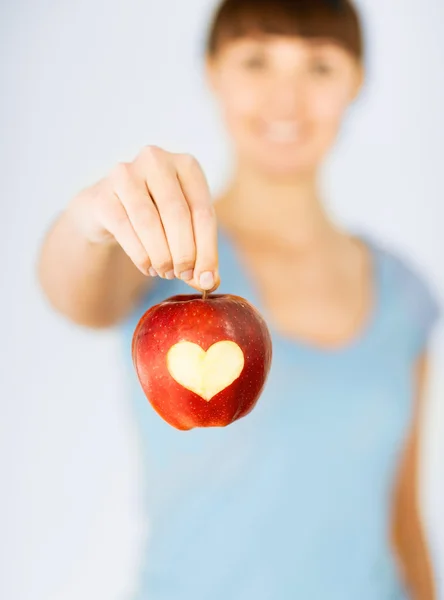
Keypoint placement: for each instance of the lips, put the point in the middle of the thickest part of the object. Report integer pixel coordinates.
(281, 132)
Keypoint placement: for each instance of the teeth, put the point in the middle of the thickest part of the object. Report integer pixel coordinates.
(282, 131)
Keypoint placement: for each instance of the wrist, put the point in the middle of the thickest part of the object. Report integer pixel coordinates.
(79, 217)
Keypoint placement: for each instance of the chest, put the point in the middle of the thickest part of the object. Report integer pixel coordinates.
(316, 299)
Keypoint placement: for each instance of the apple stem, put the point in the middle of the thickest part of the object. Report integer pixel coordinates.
(204, 295)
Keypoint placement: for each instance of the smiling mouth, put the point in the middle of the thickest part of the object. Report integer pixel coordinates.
(281, 132)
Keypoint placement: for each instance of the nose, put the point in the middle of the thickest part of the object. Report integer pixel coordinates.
(288, 95)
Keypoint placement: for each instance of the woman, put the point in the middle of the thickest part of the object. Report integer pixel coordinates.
(313, 494)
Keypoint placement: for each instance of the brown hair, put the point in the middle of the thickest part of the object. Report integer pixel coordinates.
(335, 20)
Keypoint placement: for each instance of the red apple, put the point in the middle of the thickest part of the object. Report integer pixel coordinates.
(202, 362)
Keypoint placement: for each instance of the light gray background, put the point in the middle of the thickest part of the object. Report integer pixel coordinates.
(85, 84)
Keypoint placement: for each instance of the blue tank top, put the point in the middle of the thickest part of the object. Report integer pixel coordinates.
(293, 500)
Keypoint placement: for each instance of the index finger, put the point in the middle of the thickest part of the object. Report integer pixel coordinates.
(197, 193)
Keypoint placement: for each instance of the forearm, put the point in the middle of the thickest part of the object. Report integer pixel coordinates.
(408, 532)
(412, 549)
(92, 284)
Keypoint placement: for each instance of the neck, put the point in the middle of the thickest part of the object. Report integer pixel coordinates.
(285, 210)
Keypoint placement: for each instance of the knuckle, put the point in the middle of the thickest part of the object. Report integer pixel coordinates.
(119, 221)
(142, 261)
(112, 211)
(145, 220)
(175, 209)
(152, 154)
(204, 214)
(120, 174)
(185, 260)
(180, 267)
(163, 265)
(206, 264)
(188, 162)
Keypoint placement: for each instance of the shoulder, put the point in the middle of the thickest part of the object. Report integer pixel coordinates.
(408, 294)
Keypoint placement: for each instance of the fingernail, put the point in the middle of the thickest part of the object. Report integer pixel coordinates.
(187, 275)
(152, 272)
(169, 274)
(206, 280)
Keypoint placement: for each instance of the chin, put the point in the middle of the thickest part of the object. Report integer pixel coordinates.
(285, 166)
(281, 160)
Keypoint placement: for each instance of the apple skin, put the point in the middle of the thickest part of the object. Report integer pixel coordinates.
(190, 318)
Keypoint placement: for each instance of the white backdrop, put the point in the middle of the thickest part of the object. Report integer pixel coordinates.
(84, 84)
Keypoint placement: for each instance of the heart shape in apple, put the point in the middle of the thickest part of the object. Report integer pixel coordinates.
(200, 371)
(202, 362)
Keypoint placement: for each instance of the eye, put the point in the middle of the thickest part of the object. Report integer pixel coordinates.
(320, 67)
(255, 62)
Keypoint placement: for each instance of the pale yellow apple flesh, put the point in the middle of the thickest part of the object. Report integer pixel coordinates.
(205, 373)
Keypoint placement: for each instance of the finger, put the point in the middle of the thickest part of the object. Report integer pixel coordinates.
(196, 191)
(159, 173)
(144, 218)
(116, 221)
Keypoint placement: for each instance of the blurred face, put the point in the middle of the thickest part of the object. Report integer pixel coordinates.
(283, 99)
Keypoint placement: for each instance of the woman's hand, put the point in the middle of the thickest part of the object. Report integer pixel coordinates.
(158, 209)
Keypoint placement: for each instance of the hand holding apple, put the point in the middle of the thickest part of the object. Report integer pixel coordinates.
(202, 362)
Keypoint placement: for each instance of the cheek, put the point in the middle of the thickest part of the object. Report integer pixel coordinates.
(238, 102)
(328, 106)
(327, 110)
